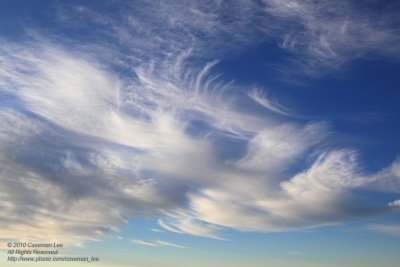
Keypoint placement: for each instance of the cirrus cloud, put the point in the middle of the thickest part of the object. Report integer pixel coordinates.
(90, 140)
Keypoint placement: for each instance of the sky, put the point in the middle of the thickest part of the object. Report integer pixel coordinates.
(202, 133)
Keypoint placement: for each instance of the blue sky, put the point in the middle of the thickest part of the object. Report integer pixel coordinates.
(192, 133)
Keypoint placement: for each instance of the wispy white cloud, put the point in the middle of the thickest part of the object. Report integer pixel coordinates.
(259, 97)
(395, 203)
(320, 35)
(84, 133)
(154, 131)
(327, 35)
(388, 179)
(157, 230)
(183, 224)
(157, 243)
(385, 228)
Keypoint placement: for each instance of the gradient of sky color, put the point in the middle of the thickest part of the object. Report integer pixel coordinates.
(202, 133)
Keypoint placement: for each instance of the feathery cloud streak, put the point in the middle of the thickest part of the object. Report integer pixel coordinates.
(319, 35)
(157, 243)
